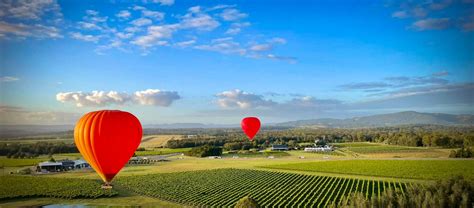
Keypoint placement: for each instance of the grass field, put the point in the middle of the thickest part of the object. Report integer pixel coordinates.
(416, 169)
(223, 187)
(154, 141)
(10, 162)
(28, 186)
(161, 151)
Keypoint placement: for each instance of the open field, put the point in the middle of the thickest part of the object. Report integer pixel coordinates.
(224, 187)
(416, 169)
(28, 186)
(161, 151)
(153, 141)
(10, 162)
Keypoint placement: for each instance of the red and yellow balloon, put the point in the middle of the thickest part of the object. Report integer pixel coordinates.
(107, 139)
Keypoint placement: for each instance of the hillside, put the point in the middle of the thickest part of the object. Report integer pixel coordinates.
(392, 119)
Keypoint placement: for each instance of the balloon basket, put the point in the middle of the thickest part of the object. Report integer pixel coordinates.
(107, 186)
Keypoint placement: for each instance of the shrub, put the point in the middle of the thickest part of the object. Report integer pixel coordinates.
(247, 202)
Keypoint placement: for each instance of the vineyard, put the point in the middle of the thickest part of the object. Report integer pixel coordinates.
(224, 187)
(27, 186)
(415, 169)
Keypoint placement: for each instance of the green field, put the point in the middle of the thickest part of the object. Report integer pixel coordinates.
(258, 154)
(161, 151)
(368, 148)
(224, 187)
(10, 162)
(29, 186)
(415, 169)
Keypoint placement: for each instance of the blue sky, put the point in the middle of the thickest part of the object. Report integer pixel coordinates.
(174, 61)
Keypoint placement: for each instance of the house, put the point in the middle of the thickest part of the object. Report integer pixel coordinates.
(61, 165)
(277, 147)
(49, 167)
(326, 148)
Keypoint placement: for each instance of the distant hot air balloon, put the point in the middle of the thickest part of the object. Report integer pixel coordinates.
(107, 139)
(250, 126)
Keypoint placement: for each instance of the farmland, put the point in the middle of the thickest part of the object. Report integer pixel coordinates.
(223, 187)
(415, 169)
(27, 186)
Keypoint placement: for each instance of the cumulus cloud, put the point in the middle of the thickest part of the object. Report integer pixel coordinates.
(240, 99)
(102, 98)
(199, 21)
(149, 13)
(261, 47)
(156, 97)
(8, 79)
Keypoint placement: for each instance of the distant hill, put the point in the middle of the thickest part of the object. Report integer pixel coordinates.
(381, 120)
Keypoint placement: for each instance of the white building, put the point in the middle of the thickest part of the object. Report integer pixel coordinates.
(326, 148)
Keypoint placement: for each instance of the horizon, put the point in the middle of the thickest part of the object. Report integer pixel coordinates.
(171, 62)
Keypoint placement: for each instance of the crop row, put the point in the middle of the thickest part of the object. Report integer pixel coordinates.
(224, 187)
(34, 186)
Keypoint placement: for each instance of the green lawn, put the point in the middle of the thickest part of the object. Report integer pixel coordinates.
(414, 169)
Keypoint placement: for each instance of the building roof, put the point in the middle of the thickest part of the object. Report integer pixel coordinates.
(47, 163)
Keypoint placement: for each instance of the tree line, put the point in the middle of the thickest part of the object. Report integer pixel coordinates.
(417, 136)
(27, 150)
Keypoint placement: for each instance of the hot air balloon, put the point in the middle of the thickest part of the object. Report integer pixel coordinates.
(250, 126)
(107, 139)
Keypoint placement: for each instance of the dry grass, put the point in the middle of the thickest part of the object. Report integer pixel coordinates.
(154, 141)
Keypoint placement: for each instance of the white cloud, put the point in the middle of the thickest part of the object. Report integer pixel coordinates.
(236, 28)
(277, 40)
(29, 10)
(141, 22)
(400, 14)
(155, 36)
(8, 79)
(93, 99)
(431, 24)
(124, 14)
(223, 45)
(36, 30)
(102, 98)
(185, 44)
(156, 97)
(198, 20)
(261, 47)
(232, 15)
(88, 26)
(14, 115)
(238, 98)
(87, 38)
(153, 14)
(163, 2)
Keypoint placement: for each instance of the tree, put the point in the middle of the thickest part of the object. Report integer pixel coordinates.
(247, 202)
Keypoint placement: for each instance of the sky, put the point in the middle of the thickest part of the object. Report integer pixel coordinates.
(177, 61)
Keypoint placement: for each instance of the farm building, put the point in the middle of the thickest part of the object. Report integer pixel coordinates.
(277, 147)
(61, 165)
(49, 167)
(326, 148)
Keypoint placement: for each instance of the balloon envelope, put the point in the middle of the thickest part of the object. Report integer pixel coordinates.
(250, 126)
(107, 139)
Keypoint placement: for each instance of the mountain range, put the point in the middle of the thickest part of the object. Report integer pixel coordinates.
(380, 120)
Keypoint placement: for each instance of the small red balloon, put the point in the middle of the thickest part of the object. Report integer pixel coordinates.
(250, 126)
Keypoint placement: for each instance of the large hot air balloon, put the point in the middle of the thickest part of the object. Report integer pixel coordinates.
(107, 139)
(250, 126)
